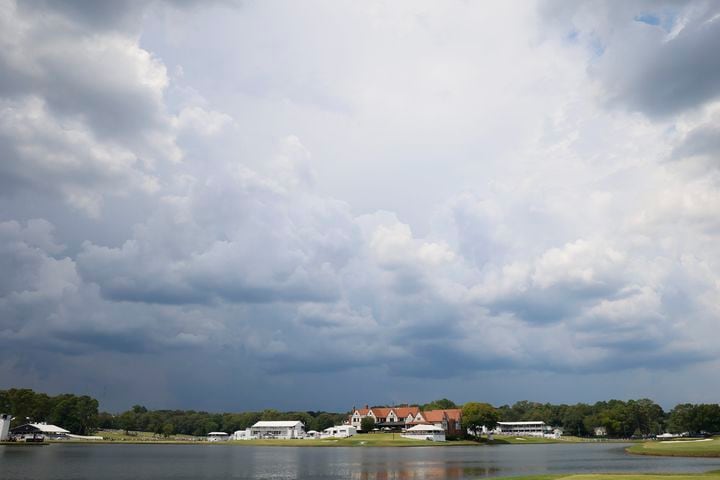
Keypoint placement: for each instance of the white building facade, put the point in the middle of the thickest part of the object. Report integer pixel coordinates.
(528, 429)
(278, 429)
(5, 420)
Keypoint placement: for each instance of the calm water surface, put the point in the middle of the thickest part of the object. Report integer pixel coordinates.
(161, 462)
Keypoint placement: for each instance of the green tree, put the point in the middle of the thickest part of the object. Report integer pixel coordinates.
(573, 419)
(441, 404)
(77, 414)
(645, 417)
(367, 424)
(126, 421)
(477, 415)
(323, 421)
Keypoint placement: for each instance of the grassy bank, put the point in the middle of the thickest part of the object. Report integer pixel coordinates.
(143, 437)
(682, 448)
(714, 475)
(24, 444)
(360, 440)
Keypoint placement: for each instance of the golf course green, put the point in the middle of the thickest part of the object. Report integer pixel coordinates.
(705, 447)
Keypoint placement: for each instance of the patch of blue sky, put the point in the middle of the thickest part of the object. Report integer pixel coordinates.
(592, 41)
(572, 36)
(665, 19)
(597, 47)
(648, 18)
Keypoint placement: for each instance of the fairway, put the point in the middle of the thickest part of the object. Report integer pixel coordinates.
(714, 475)
(685, 448)
(359, 440)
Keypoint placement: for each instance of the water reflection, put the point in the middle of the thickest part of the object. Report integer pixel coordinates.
(197, 462)
(416, 471)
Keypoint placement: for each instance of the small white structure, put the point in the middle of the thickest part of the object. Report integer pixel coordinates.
(39, 430)
(425, 432)
(529, 428)
(278, 429)
(242, 434)
(341, 431)
(312, 434)
(5, 420)
(218, 437)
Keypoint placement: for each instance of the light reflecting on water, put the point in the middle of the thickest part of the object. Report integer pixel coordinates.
(427, 472)
(177, 462)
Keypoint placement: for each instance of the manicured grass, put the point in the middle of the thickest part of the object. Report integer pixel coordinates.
(360, 440)
(686, 448)
(135, 437)
(501, 440)
(714, 475)
(24, 444)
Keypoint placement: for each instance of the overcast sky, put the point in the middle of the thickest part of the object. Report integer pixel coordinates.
(315, 205)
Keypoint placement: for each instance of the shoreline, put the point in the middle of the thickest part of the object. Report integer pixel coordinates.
(707, 448)
(374, 441)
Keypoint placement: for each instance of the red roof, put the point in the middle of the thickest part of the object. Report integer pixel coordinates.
(437, 416)
(434, 415)
(403, 412)
(381, 412)
(454, 413)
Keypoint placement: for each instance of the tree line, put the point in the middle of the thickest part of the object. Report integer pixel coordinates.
(78, 414)
(620, 419)
(191, 422)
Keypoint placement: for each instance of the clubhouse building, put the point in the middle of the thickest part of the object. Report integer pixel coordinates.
(406, 417)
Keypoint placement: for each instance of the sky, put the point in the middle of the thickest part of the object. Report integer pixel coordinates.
(313, 205)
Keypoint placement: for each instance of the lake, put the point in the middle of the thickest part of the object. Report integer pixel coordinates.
(160, 462)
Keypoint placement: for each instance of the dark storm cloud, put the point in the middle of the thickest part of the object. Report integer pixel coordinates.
(655, 57)
(436, 359)
(81, 110)
(679, 74)
(120, 14)
(249, 252)
(629, 358)
(553, 304)
(97, 76)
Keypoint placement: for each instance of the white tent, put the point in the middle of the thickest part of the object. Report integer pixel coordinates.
(218, 437)
(425, 432)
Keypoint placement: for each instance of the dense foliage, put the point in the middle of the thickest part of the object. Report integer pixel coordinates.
(79, 414)
(642, 417)
(190, 422)
(624, 419)
(476, 415)
(367, 424)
